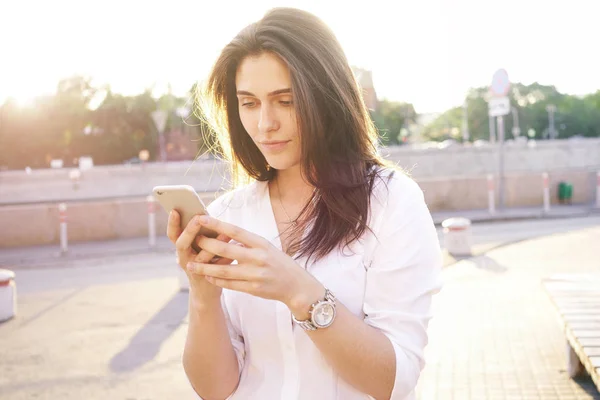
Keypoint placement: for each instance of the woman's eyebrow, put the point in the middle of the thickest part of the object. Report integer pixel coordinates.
(273, 93)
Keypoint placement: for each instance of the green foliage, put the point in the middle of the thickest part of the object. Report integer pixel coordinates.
(69, 125)
(574, 115)
(391, 118)
(83, 120)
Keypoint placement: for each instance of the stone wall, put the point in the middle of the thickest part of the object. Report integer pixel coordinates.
(128, 181)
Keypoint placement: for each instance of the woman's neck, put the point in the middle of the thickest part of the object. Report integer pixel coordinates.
(291, 185)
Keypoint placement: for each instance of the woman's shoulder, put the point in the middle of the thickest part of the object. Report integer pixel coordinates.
(393, 186)
(398, 202)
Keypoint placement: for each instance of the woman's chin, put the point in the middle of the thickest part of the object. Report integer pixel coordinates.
(282, 165)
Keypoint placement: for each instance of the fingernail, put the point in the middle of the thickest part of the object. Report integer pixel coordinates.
(203, 219)
(191, 267)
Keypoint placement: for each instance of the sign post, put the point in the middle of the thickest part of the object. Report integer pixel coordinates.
(160, 120)
(498, 107)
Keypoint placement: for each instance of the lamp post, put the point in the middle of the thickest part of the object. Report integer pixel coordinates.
(160, 120)
(552, 134)
(465, 122)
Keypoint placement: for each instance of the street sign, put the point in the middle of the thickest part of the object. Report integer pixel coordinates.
(498, 106)
(500, 83)
(160, 119)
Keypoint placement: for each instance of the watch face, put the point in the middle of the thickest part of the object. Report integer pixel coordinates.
(323, 314)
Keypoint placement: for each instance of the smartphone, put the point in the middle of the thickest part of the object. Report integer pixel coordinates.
(184, 200)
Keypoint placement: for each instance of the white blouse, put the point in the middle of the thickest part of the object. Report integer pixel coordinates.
(388, 282)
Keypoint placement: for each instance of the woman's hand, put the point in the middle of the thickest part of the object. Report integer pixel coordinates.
(201, 291)
(262, 269)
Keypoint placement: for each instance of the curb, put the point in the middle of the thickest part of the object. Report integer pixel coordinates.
(438, 219)
(56, 259)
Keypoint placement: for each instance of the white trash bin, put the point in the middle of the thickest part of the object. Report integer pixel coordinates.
(8, 295)
(457, 236)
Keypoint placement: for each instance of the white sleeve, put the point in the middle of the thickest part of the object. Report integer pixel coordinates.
(237, 340)
(404, 274)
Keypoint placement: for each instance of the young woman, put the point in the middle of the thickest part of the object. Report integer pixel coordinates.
(327, 258)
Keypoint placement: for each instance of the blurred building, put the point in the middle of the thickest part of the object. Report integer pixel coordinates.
(365, 80)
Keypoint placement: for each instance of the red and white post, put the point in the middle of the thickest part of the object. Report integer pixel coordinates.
(151, 221)
(598, 189)
(546, 185)
(491, 194)
(62, 216)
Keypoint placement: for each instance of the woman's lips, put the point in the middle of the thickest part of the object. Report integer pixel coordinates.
(274, 146)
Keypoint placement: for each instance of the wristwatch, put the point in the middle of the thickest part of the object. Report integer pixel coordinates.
(322, 313)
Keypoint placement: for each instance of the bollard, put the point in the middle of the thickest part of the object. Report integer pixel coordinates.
(457, 236)
(151, 221)
(491, 194)
(62, 216)
(598, 189)
(8, 295)
(546, 184)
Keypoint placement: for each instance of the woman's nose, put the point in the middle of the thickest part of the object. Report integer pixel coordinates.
(268, 121)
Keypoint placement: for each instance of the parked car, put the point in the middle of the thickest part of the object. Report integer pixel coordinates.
(447, 143)
(133, 160)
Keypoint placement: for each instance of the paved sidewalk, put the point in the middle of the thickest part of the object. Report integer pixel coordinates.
(115, 328)
(495, 334)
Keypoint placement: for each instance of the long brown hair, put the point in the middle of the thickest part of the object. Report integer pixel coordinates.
(338, 139)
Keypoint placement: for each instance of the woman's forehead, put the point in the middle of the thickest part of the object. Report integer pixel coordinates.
(262, 74)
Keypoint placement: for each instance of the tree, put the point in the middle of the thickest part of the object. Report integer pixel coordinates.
(393, 119)
(573, 115)
(73, 122)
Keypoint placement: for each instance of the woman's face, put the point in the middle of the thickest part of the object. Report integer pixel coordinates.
(264, 92)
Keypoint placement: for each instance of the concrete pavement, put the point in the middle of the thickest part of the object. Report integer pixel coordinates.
(495, 334)
(114, 327)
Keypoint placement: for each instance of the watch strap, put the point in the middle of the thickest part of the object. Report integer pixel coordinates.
(307, 324)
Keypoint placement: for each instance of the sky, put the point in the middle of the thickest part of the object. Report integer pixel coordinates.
(426, 52)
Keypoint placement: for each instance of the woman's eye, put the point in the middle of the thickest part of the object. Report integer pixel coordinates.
(285, 103)
(248, 104)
